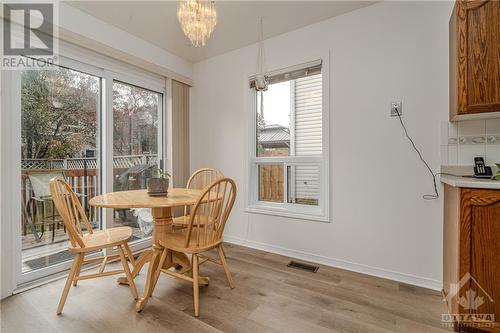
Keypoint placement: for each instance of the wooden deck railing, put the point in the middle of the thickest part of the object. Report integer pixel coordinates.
(82, 175)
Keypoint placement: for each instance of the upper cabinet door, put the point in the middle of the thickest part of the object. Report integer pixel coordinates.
(475, 57)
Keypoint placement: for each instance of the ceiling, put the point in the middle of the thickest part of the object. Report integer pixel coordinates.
(238, 21)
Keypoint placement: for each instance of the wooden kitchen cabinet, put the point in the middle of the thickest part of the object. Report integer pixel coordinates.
(474, 58)
(472, 246)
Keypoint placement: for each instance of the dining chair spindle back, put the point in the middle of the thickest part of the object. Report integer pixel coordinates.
(69, 207)
(200, 179)
(210, 213)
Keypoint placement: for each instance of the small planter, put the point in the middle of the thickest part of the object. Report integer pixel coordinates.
(157, 186)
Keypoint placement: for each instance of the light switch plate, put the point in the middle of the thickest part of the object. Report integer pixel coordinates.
(396, 107)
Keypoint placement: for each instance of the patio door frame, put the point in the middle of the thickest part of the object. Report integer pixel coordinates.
(46, 272)
(107, 183)
(10, 165)
(108, 70)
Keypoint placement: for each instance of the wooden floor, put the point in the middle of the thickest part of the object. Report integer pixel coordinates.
(269, 297)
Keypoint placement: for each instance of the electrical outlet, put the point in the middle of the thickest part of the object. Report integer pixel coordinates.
(396, 107)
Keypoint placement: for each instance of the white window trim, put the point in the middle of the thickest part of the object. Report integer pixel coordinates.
(319, 213)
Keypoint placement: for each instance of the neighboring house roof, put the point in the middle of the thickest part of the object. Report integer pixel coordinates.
(273, 134)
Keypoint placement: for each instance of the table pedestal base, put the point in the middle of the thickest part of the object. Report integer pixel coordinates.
(180, 260)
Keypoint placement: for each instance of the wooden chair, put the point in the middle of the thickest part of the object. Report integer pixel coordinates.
(203, 233)
(199, 180)
(75, 220)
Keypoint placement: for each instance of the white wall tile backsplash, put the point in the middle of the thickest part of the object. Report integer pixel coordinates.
(466, 153)
(462, 141)
(493, 126)
(492, 154)
(471, 127)
(452, 155)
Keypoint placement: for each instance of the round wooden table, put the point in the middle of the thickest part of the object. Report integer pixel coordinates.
(161, 208)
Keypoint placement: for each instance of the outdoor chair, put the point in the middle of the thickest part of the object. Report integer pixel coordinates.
(40, 183)
(134, 178)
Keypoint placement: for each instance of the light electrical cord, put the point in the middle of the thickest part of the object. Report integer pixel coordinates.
(434, 175)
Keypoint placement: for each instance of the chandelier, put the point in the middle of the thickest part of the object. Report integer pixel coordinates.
(198, 19)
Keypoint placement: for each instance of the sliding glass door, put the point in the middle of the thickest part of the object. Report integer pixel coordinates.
(60, 111)
(137, 133)
(102, 131)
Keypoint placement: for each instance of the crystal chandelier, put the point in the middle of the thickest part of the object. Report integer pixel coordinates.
(198, 19)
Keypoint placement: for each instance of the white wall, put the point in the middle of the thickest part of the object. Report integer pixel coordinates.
(379, 222)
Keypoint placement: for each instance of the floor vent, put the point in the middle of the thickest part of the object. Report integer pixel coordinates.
(303, 266)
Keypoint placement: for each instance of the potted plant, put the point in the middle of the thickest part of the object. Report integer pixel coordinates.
(158, 184)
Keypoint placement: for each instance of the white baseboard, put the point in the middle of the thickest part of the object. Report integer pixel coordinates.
(339, 263)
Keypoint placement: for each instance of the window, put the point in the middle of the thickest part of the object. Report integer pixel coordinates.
(59, 129)
(289, 158)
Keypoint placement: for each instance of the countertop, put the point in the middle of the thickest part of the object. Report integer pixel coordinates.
(469, 182)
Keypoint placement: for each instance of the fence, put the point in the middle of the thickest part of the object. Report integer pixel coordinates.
(271, 183)
(126, 161)
(82, 175)
(303, 183)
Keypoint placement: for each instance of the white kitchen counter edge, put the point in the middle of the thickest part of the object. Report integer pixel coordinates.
(467, 182)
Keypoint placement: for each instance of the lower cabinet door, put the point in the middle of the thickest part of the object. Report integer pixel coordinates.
(480, 253)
